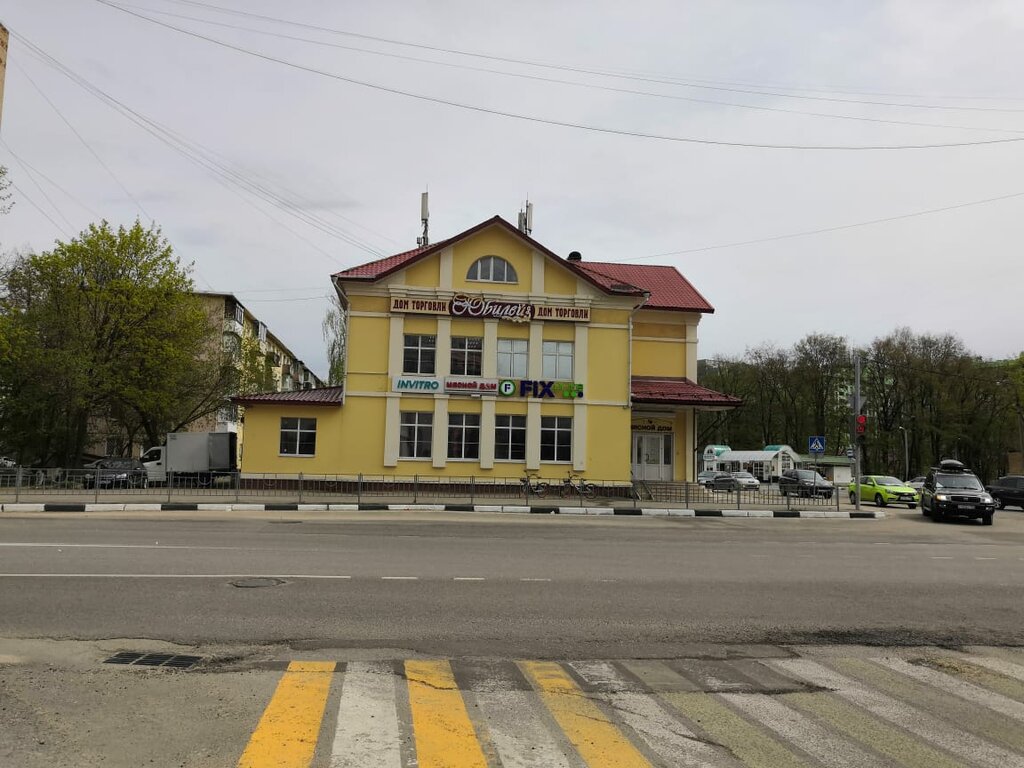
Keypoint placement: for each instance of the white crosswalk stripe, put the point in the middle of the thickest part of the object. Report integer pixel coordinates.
(1001, 666)
(945, 735)
(367, 730)
(973, 693)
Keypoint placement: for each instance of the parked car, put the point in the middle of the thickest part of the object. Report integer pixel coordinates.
(705, 477)
(747, 481)
(723, 481)
(952, 490)
(916, 483)
(115, 473)
(7, 463)
(883, 490)
(1008, 491)
(804, 482)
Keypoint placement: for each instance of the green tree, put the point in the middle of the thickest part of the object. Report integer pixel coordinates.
(103, 326)
(334, 327)
(5, 196)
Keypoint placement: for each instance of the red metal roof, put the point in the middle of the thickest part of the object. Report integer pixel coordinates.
(668, 289)
(321, 396)
(678, 391)
(376, 269)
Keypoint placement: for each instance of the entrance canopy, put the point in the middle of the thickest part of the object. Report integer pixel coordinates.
(679, 392)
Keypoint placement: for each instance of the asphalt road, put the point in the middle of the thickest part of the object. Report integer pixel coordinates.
(546, 587)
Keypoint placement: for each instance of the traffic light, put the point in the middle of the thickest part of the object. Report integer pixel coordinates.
(862, 423)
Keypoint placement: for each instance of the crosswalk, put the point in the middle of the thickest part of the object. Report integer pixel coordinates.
(927, 709)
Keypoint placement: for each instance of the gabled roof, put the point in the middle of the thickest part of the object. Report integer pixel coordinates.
(678, 391)
(321, 396)
(375, 270)
(668, 289)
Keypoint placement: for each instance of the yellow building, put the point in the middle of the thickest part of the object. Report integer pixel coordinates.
(488, 355)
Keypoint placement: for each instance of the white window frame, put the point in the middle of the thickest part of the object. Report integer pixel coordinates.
(419, 422)
(420, 348)
(486, 269)
(303, 425)
(513, 358)
(503, 436)
(561, 428)
(558, 360)
(463, 425)
(461, 352)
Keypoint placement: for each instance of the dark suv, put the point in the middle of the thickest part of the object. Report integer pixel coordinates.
(1008, 491)
(952, 490)
(804, 482)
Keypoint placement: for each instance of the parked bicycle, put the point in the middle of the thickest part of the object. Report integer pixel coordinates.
(582, 487)
(538, 488)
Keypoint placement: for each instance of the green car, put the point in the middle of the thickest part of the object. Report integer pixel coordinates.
(883, 490)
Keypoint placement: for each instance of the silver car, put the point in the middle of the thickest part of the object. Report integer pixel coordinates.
(747, 481)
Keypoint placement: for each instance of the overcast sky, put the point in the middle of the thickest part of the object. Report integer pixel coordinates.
(355, 159)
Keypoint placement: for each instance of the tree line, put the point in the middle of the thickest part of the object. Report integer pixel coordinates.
(107, 328)
(927, 396)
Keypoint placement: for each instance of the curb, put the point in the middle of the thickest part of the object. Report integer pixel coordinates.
(830, 514)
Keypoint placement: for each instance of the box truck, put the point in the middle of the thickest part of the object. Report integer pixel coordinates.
(193, 458)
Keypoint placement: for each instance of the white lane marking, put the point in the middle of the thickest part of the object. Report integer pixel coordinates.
(941, 557)
(829, 749)
(968, 746)
(515, 724)
(399, 578)
(535, 579)
(34, 545)
(367, 730)
(169, 576)
(1001, 666)
(666, 735)
(984, 558)
(949, 684)
(468, 578)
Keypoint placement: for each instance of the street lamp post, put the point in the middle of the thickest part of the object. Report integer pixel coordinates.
(906, 452)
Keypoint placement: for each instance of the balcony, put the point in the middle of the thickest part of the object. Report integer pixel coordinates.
(232, 326)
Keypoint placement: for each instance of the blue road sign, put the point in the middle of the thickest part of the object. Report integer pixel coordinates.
(849, 453)
(816, 444)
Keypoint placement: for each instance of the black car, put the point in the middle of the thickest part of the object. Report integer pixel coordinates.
(805, 482)
(115, 473)
(1008, 491)
(722, 481)
(952, 490)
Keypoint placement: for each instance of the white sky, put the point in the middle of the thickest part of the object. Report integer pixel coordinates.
(347, 150)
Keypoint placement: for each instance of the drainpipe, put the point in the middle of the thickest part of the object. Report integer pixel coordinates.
(629, 354)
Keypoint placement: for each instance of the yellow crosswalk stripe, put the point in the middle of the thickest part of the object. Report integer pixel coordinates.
(753, 746)
(892, 742)
(979, 675)
(600, 743)
(287, 733)
(444, 734)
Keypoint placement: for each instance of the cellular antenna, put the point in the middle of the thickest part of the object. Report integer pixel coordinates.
(526, 218)
(424, 239)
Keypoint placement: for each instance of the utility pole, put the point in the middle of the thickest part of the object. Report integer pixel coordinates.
(856, 443)
(906, 453)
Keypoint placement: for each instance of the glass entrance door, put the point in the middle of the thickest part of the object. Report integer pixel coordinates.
(652, 456)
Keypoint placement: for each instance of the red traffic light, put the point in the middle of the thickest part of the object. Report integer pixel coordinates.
(862, 422)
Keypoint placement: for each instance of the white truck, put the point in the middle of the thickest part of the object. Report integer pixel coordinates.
(193, 459)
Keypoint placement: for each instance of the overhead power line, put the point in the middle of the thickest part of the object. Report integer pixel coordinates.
(574, 83)
(35, 205)
(678, 81)
(823, 230)
(32, 178)
(548, 121)
(22, 161)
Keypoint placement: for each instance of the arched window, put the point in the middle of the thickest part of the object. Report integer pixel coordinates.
(492, 269)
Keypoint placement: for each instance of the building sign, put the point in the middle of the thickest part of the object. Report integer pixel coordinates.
(653, 425)
(415, 384)
(471, 386)
(532, 388)
(462, 305)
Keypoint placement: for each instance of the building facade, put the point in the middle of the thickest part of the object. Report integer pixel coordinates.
(488, 355)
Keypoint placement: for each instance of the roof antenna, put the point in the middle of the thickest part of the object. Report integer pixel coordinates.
(526, 218)
(424, 239)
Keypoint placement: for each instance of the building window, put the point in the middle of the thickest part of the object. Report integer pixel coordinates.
(492, 269)
(467, 355)
(510, 438)
(262, 331)
(513, 358)
(558, 360)
(298, 437)
(556, 438)
(463, 436)
(416, 436)
(419, 354)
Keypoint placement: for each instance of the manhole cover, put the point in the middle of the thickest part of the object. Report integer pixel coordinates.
(175, 661)
(257, 582)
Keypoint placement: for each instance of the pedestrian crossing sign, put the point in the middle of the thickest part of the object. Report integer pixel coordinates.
(816, 444)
